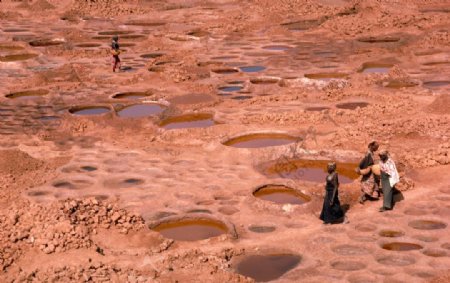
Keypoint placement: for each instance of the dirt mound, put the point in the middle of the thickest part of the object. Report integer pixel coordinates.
(42, 5)
(63, 226)
(17, 162)
(440, 105)
(106, 7)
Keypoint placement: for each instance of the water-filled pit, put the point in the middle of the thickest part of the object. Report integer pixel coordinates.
(232, 88)
(281, 194)
(401, 247)
(27, 94)
(309, 170)
(277, 47)
(261, 140)
(89, 110)
(263, 268)
(141, 110)
(427, 225)
(317, 108)
(191, 229)
(436, 84)
(198, 120)
(252, 69)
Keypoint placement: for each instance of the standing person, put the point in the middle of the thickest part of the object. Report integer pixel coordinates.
(369, 180)
(331, 210)
(389, 177)
(115, 51)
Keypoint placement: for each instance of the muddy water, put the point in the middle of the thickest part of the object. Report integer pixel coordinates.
(281, 195)
(260, 140)
(400, 247)
(191, 230)
(89, 111)
(352, 105)
(188, 121)
(263, 268)
(140, 110)
(308, 170)
(375, 68)
(436, 84)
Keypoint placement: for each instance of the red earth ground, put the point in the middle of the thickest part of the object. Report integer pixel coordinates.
(81, 196)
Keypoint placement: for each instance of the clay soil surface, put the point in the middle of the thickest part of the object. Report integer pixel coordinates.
(155, 173)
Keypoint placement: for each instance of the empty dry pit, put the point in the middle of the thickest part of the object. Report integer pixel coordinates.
(27, 94)
(263, 268)
(17, 57)
(277, 47)
(88, 45)
(400, 84)
(325, 76)
(115, 32)
(192, 98)
(199, 120)
(141, 110)
(45, 42)
(261, 228)
(351, 105)
(89, 110)
(303, 24)
(264, 80)
(391, 233)
(396, 260)
(308, 170)
(259, 140)
(317, 108)
(379, 39)
(401, 247)
(225, 71)
(151, 55)
(281, 194)
(427, 225)
(131, 95)
(191, 229)
(375, 67)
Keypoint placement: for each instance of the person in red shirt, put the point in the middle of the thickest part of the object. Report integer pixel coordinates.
(115, 52)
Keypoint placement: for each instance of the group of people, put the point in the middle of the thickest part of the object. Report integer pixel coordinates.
(376, 179)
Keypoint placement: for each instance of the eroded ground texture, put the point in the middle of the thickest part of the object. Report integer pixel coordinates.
(159, 173)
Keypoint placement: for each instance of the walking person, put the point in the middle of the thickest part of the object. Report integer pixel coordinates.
(369, 180)
(115, 52)
(331, 210)
(389, 177)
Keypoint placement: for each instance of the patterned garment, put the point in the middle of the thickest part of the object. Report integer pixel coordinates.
(389, 168)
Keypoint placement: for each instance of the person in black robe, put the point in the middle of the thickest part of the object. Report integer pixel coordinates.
(331, 210)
